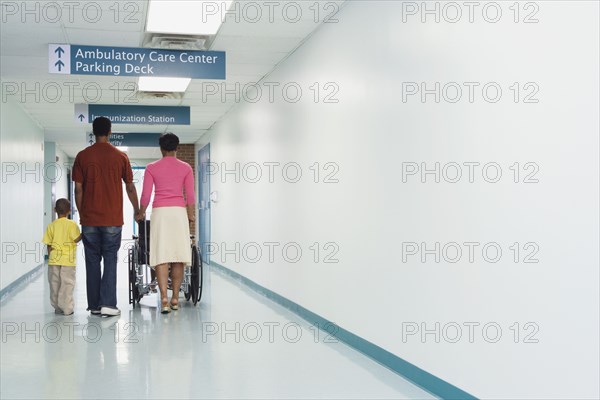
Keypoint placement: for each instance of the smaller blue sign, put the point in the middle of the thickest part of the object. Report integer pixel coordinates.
(134, 115)
(130, 139)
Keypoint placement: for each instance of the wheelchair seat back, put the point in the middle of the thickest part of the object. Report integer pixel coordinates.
(144, 242)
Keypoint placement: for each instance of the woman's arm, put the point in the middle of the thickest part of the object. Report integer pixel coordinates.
(146, 193)
(190, 195)
(191, 212)
(188, 185)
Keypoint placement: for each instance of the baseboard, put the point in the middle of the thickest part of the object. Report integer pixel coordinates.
(411, 372)
(11, 289)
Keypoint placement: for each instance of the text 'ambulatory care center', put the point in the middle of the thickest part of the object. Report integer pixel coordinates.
(93, 60)
(132, 61)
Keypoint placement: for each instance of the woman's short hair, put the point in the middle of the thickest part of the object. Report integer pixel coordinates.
(168, 142)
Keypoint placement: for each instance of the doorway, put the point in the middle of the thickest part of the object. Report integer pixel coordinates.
(130, 226)
(204, 201)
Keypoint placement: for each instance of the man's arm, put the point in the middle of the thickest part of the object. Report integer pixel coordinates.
(79, 196)
(133, 197)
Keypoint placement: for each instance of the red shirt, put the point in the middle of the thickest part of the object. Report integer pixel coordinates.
(101, 168)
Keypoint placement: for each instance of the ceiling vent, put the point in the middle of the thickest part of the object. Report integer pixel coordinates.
(159, 95)
(169, 41)
(176, 42)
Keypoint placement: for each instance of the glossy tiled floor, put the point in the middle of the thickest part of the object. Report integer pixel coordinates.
(235, 344)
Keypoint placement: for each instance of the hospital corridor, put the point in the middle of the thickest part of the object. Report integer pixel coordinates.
(345, 199)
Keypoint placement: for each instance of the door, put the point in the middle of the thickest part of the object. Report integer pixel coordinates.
(130, 227)
(204, 201)
(70, 193)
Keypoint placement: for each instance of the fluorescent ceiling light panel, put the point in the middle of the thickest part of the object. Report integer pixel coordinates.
(123, 148)
(186, 17)
(155, 84)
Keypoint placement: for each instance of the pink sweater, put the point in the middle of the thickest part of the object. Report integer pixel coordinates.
(170, 177)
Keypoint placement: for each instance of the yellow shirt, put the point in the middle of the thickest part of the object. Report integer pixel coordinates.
(61, 235)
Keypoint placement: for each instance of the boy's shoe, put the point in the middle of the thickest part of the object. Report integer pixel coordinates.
(95, 312)
(110, 311)
(58, 311)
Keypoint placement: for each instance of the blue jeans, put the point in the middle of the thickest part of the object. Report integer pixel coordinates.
(101, 242)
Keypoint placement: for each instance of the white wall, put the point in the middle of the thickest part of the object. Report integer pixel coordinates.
(22, 193)
(55, 176)
(371, 212)
(51, 174)
(62, 188)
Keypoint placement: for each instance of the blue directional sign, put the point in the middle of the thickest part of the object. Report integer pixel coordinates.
(134, 61)
(129, 139)
(135, 115)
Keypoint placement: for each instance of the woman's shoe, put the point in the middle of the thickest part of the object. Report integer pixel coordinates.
(165, 307)
(174, 307)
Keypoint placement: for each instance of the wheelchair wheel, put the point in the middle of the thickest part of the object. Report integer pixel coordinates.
(196, 276)
(134, 295)
(188, 293)
(201, 283)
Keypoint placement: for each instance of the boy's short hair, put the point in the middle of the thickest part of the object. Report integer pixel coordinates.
(168, 141)
(63, 206)
(101, 126)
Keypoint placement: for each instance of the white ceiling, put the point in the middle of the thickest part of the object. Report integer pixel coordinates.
(253, 51)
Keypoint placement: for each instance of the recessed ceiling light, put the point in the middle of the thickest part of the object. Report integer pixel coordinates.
(156, 84)
(186, 17)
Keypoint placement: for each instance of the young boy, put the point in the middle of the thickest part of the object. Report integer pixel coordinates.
(61, 237)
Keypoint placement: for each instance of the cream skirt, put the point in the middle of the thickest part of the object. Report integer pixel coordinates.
(169, 236)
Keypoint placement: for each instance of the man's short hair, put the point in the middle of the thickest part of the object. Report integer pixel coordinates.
(168, 142)
(101, 126)
(62, 206)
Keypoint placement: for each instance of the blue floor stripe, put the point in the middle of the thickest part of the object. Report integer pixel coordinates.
(416, 375)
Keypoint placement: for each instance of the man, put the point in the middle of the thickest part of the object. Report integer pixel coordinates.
(97, 173)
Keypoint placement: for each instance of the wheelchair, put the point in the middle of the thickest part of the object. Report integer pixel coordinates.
(142, 278)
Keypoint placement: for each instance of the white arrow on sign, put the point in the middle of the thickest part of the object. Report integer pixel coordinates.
(59, 58)
(81, 113)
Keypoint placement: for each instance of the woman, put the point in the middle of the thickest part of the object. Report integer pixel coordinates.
(170, 231)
